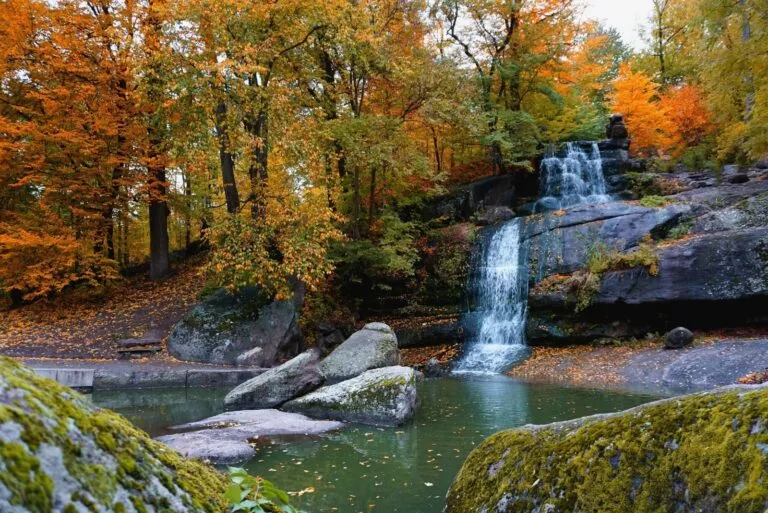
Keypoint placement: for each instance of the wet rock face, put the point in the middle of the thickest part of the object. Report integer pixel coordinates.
(379, 397)
(372, 347)
(244, 328)
(701, 453)
(59, 453)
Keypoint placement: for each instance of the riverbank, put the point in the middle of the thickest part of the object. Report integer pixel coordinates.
(713, 360)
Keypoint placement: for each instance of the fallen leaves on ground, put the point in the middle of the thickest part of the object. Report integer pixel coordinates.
(418, 356)
(90, 328)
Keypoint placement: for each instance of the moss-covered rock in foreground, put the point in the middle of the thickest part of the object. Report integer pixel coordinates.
(59, 453)
(701, 453)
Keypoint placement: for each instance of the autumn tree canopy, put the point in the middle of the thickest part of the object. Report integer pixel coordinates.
(292, 138)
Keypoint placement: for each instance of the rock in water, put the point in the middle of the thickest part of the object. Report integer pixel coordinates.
(225, 438)
(705, 452)
(379, 397)
(224, 327)
(60, 453)
(278, 385)
(372, 347)
(678, 338)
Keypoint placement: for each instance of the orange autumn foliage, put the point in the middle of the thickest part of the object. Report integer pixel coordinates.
(686, 109)
(637, 97)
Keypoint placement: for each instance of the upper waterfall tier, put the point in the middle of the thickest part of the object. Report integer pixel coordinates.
(572, 179)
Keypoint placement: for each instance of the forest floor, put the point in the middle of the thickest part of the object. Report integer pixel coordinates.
(89, 328)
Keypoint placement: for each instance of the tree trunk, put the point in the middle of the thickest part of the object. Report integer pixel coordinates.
(158, 226)
(258, 170)
(188, 211)
(372, 198)
(227, 160)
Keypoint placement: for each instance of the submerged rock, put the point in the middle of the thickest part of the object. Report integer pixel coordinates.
(705, 453)
(224, 327)
(60, 453)
(225, 438)
(279, 384)
(379, 397)
(372, 347)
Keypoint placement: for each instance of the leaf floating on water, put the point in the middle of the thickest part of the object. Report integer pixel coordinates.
(428, 484)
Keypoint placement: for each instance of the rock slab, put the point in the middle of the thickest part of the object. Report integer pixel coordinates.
(378, 397)
(295, 377)
(225, 438)
(372, 347)
(60, 453)
(705, 452)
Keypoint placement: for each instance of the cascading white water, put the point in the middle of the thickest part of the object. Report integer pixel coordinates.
(502, 290)
(572, 180)
(497, 322)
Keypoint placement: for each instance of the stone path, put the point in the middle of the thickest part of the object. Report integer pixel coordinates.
(113, 375)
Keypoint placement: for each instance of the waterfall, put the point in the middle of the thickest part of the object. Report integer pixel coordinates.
(495, 323)
(571, 180)
(501, 294)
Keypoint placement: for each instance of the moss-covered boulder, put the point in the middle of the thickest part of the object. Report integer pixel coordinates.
(701, 453)
(372, 347)
(59, 453)
(378, 397)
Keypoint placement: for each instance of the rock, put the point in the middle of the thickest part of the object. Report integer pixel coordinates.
(738, 178)
(431, 334)
(60, 453)
(435, 369)
(722, 266)
(378, 397)
(762, 164)
(704, 452)
(616, 128)
(224, 439)
(372, 347)
(494, 215)
(678, 338)
(563, 244)
(463, 202)
(224, 327)
(279, 384)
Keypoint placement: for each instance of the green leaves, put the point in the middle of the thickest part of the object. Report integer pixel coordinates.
(255, 494)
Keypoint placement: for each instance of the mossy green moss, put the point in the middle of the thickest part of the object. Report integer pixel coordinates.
(99, 449)
(705, 452)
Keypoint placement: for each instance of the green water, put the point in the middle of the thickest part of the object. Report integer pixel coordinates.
(406, 469)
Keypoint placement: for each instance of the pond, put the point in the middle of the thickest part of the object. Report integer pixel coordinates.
(363, 469)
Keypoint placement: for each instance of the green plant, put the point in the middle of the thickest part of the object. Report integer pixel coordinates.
(255, 494)
(654, 201)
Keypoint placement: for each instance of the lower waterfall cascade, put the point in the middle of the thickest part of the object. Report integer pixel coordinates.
(499, 281)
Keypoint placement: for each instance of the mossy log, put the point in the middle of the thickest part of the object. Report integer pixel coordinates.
(701, 453)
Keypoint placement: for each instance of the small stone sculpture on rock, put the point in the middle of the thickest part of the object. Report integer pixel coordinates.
(616, 128)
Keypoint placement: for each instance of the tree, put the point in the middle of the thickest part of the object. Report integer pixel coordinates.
(636, 96)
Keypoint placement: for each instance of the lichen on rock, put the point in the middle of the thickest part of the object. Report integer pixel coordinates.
(59, 453)
(701, 453)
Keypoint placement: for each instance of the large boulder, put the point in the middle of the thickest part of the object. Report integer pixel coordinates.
(60, 453)
(379, 397)
(295, 377)
(701, 453)
(372, 347)
(225, 326)
(722, 266)
(563, 244)
(225, 438)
